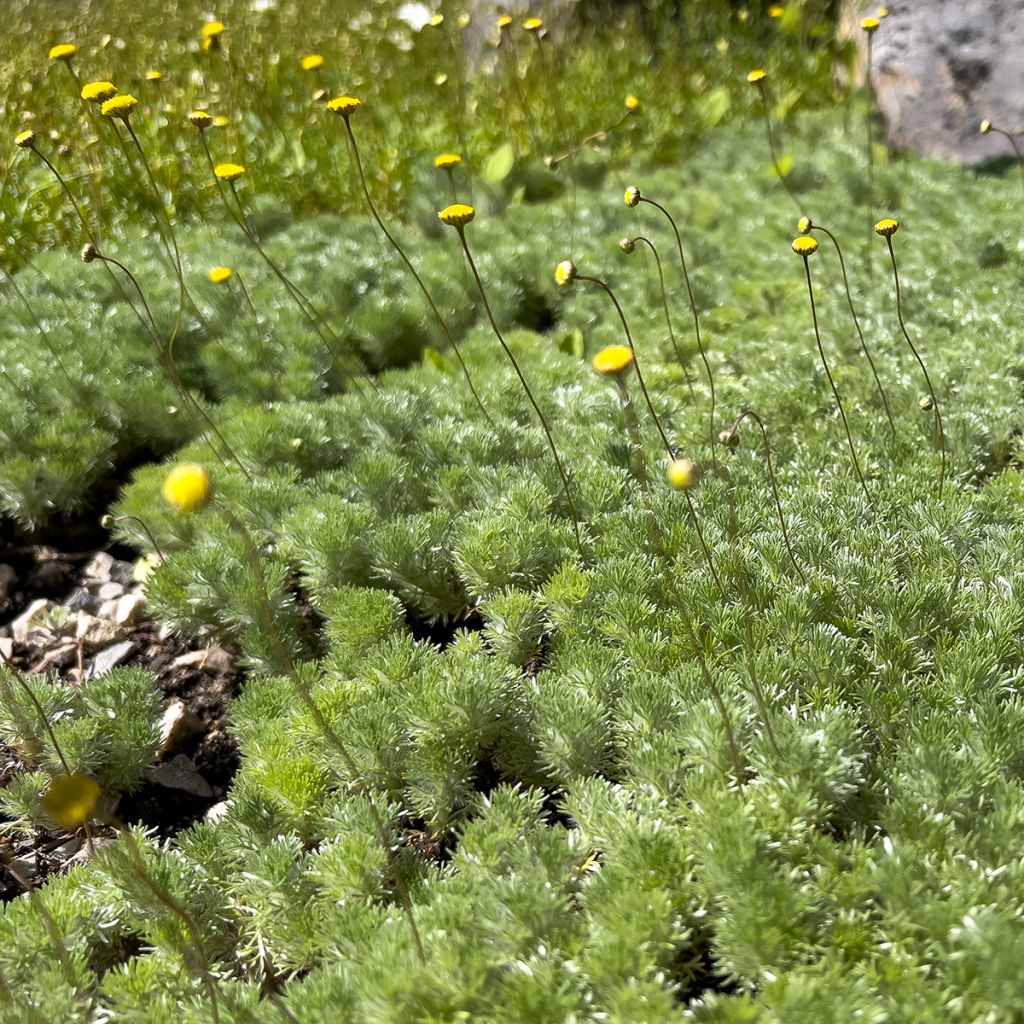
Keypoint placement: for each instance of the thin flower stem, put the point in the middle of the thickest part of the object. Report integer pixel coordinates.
(860, 333)
(529, 394)
(288, 666)
(939, 432)
(639, 462)
(668, 317)
(589, 141)
(776, 165)
(835, 390)
(639, 373)
(256, 327)
(704, 545)
(47, 340)
(868, 119)
(145, 529)
(40, 710)
(412, 270)
(771, 477)
(1016, 149)
(696, 325)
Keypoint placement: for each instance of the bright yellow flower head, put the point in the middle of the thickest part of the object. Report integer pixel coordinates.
(343, 105)
(755, 76)
(803, 225)
(221, 121)
(212, 29)
(631, 197)
(153, 76)
(70, 800)
(682, 474)
(229, 172)
(805, 246)
(776, 11)
(312, 61)
(882, 12)
(200, 118)
(97, 92)
(457, 215)
(533, 24)
(218, 275)
(632, 104)
(436, 20)
(63, 51)
(985, 127)
(446, 161)
(870, 25)
(25, 139)
(504, 21)
(119, 106)
(565, 273)
(613, 360)
(888, 227)
(187, 487)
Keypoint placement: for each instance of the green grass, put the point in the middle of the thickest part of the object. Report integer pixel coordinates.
(578, 837)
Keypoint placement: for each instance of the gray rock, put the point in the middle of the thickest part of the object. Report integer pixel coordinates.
(127, 608)
(109, 591)
(122, 572)
(213, 659)
(110, 658)
(941, 67)
(80, 600)
(7, 646)
(178, 725)
(99, 566)
(218, 812)
(95, 632)
(35, 616)
(181, 773)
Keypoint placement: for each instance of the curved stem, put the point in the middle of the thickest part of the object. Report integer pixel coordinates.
(256, 328)
(145, 529)
(412, 270)
(636, 362)
(696, 326)
(529, 394)
(832, 383)
(1016, 149)
(940, 433)
(43, 333)
(776, 166)
(771, 477)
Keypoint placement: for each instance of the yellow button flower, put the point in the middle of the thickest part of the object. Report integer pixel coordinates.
(97, 92)
(887, 227)
(805, 246)
(757, 75)
(446, 161)
(312, 61)
(632, 196)
(632, 104)
(218, 275)
(343, 105)
(153, 76)
(565, 273)
(70, 800)
(200, 118)
(63, 51)
(229, 172)
(457, 215)
(212, 29)
(613, 360)
(682, 474)
(187, 488)
(119, 106)
(25, 139)
(533, 24)
(869, 25)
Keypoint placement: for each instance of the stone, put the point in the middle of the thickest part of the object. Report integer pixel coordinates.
(218, 812)
(178, 725)
(213, 659)
(181, 773)
(7, 647)
(941, 67)
(122, 572)
(35, 616)
(109, 591)
(7, 578)
(98, 567)
(79, 600)
(96, 632)
(110, 658)
(127, 608)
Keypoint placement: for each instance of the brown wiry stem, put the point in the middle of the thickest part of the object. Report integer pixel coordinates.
(145, 529)
(776, 165)
(868, 118)
(939, 432)
(856, 323)
(287, 664)
(1016, 149)
(526, 388)
(832, 383)
(696, 324)
(256, 327)
(749, 413)
(412, 270)
(44, 334)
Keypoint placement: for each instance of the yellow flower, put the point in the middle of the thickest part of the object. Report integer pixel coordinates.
(212, 29)
(153, 76)
(70, 800)
(436, 20)
(882, 12)
(119, 106)
(776, 11)
(627, 245)
(632, 104)
(888, 227)
(221, 120)
(565, 273)
(446, 161)
(229, 172)
(804, 224)
(613, 360)
(457, 215)
(985, 127)
(755, 76)
(187, 487)
(682, 474)
(730, 438)
(632, 196)
(343, 105)
(25, 139)
(218, 275)
(533, 24)
(63, 51)
(504, 21)
(312, 61)
(200, 118)
(805, 246)
(97, 92)
(464, 19)
(869, 25)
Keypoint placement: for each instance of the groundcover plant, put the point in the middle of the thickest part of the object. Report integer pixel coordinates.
(620, 541)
